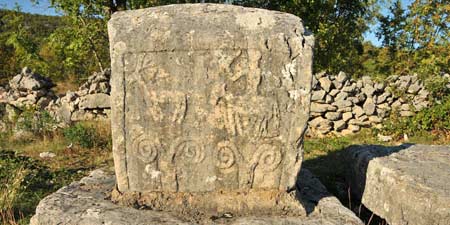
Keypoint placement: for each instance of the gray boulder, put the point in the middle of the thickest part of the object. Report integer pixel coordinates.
(407, 184)
(95, 101)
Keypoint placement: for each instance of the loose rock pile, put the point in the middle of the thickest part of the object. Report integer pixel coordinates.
(29, 89)
(343, 105)
(90, 102)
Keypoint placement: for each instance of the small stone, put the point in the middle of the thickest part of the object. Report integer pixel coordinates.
(325, 83)
(318, 95)
(406, 113)
(369, 106)
(379, 87)
(359, 84)
(383, 138)
(47, 154)
(353, 127)
(368, 90)
(405, 107)
(95, 101)
(347, 116)
(329, 99)
(349, 89)
(346, 109)
(321, 125)
(358, 111)
(382, 98)
(339, 125)
(320, 74)
(382, 112)
(363, 118)
(343, 103)
(317, 107)
(333, 116)
(396, 104)
(414, 88)
(334, 92)
(358, 122)
(315, 83)
(341, 96)
(375, 119)
(338, 85)
(341, 77)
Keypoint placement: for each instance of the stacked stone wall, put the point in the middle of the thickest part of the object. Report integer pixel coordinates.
(342, 105)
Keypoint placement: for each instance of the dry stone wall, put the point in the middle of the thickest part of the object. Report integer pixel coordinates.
(90, 102)
(28, 89)
(31, 90)
(342, 105)
(339, 104)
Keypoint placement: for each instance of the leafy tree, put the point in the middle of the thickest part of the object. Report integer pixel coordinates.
(338, 25)
(429, 27)
(417, 38)
(338, 28)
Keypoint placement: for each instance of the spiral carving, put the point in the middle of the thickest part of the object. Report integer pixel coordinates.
(225, 156)
(147, 149)
(191, 151)
(268, 157)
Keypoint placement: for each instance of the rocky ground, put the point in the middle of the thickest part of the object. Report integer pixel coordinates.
(406, 184)
(88, 202)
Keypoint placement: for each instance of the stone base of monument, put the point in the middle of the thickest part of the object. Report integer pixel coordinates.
(89, 202)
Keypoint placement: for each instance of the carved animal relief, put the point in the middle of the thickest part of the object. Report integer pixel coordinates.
(218, 116)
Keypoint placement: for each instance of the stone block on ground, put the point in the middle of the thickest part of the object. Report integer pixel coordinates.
(88, 202)
(208, 98)
(407, 184)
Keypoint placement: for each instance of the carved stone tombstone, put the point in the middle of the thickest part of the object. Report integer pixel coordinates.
(208, 98)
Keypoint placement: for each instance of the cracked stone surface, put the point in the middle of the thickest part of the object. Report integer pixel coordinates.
(87, 202)
(407, 184)
(208, 98)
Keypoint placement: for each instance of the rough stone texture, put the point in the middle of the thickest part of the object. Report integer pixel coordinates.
(208, 97)
(407, 184)
(95, 101)
(28, 89)
(90, 102)
(87, 202)
(369, 102)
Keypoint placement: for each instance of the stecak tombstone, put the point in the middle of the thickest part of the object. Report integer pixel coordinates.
(208, 99)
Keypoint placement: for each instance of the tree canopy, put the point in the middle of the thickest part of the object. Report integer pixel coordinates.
(414, 38)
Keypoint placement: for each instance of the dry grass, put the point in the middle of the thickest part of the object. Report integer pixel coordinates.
(9, 193)
(70, 84)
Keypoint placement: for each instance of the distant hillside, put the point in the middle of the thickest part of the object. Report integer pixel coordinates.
(40, 25)
(37, 27)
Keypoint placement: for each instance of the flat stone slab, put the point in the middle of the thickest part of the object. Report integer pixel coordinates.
(87, 202)
(407, 184)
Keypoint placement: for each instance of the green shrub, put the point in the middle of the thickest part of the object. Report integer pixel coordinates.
(433, 118)
(38, 122)
(436, 84)
(81, 134)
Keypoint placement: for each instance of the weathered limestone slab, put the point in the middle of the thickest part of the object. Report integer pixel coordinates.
(208, 97)
(407, 184)
(87, 202)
